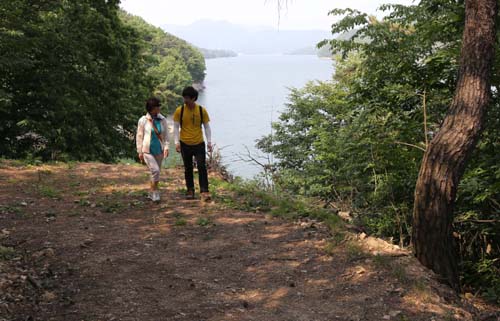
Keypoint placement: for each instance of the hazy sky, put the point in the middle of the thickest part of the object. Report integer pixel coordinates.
(301, 14)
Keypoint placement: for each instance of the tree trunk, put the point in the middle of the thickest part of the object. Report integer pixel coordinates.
(445, 159)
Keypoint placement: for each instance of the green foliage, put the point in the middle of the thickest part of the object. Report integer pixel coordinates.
(6, 253)
(203, 221)
(74, 76)
(49, 192)
(172, 62)
(249, 196)
(180, 222)
(357, 141)
(72, 80)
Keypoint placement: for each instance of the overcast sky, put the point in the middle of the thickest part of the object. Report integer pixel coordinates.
(301, 14)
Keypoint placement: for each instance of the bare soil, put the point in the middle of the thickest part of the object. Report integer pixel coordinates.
(81, 242)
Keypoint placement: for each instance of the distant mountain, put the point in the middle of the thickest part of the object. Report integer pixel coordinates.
(241, 39)
(313, 51)
(217, 53)
(325, 51)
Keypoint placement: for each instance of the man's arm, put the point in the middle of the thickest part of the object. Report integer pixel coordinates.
(208, 130)
(208, 134)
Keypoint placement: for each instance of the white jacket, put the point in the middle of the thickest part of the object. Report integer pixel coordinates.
(144, 128)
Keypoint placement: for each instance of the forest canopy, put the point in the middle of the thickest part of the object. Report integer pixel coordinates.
(74, 76)
(172, 63)
(357, 141)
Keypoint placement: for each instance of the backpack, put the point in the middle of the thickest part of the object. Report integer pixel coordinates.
(201, 115)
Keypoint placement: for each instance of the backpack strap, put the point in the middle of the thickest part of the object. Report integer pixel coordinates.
(182, 114)
(201, 115)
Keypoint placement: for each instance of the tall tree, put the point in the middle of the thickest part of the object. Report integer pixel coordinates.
(446, 157)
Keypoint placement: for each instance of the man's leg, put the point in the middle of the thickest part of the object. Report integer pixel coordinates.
(201, 161)
(187, 158)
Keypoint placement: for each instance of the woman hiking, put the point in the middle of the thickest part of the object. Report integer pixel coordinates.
(188, 134)
(152, 143)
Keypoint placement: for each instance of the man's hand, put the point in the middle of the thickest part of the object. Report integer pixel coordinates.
(141, 157)
(178, 148)
(166, 153)
(210, 147)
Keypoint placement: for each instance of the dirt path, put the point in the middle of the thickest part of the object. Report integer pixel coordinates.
(88, 246)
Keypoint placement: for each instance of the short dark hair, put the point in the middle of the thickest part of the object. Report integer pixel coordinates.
(190, 92)
(152, 103)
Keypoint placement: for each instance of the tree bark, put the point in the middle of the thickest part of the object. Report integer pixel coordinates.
(445, 159)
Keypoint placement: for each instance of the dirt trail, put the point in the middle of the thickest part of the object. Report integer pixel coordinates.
(90, 247)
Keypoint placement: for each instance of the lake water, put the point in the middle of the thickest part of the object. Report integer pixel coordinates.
(245, 94)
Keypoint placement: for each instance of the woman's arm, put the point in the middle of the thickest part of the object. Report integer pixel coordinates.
(177, 126)
(139, 137)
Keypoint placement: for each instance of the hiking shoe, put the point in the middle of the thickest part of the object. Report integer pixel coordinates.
(190, 195)
(206, 197)
(156, 196)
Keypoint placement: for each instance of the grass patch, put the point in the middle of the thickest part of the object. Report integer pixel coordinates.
(75, 184)
(49, 192)
(12, 181)
(12, 163)
(422, 291)
(81, 193)
(179, 219)
(354, 251)
(70, 165)
(83, 202)
(330, 248)
(14, 210)
(395, 268)
(8, 209)
(138, 204)
(381, 261)
(137, 193)
(129, 162)
(74, 214)
(399, 272)
(203, 221)
(208, 237)
(109, 206)
(6, 253)
(180, 222)
(249, 196)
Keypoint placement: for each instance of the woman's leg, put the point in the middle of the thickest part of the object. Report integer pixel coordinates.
(154, 165)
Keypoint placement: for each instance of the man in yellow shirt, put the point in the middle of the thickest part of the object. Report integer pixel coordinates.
(189, 120)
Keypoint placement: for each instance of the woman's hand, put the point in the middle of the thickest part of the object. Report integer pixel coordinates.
(165, 153)
(141, 157)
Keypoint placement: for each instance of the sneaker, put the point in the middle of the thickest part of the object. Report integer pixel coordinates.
(150, 195)
(190, 195)
(156, 196)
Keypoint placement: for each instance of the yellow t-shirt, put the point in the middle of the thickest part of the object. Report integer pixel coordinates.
(191, 132)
